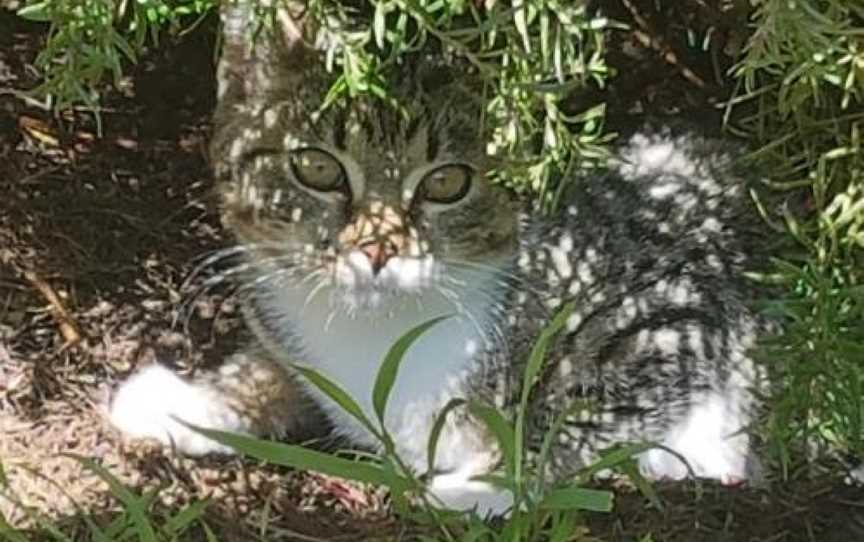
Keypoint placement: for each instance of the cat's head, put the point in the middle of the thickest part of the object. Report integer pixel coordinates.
(372, 201)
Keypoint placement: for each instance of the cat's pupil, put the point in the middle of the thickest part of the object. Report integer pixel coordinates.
(317, 169)
(448, 184)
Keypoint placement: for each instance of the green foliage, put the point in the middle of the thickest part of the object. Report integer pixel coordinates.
(531, 53)
(540, 511)
(90, 40)
(802, 70)
(137, 518)
(800, 82)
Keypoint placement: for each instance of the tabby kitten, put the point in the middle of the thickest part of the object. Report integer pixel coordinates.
(356, 225)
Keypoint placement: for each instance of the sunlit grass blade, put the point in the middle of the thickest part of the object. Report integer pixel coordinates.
(435, 433)
(390, 366)
(9, 533)
(532, 370)
(613, 458)
(184, 519)
(335, 392)
(500, 429)
(134, 505)
(298, 457)
(631, 469)
(578, 498)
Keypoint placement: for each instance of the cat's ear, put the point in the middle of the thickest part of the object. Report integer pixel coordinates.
(256, 56)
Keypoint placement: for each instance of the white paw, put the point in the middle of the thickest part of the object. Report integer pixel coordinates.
(709, 439)
(855, 477)
(456, 492)
(149, 403)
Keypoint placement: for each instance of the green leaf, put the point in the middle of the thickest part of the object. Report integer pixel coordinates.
(616, 457)
(211, 536)
(379, 23)
(520, 18)
(298, 457)
(7, 532)
(390, 366)
(38, 12)
(631, 469)
(435, 433)
(500, 428)
(532, 370)
(135, 506)
(183, 519)
(564, 528)
(538, 352)
(578, 498)
(335, 392)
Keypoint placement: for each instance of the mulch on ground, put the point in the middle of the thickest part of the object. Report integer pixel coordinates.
(98, 234)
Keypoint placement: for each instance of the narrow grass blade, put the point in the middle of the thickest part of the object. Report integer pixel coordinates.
(133, 504)
(578, 498)
(335, 392)
(615, 458)
(390, 366)
(96, 534)
(532, 370)
(7, 532)
(538, 352)
(564, 528)
(500, 428)
(435, 433)
(298, 457)
(631, 469)
(208, 532)
(181, 521)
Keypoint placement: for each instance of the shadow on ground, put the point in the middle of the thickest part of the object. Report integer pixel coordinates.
(97, 235)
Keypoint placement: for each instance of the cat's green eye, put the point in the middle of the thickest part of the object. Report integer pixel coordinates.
(447, 184)
(317, 169)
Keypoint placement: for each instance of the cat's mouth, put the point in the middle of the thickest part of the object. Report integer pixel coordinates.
(368, 282)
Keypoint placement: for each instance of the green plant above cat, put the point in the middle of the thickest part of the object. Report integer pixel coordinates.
(359, 224)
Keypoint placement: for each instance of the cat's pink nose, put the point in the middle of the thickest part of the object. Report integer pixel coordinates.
(378, 252)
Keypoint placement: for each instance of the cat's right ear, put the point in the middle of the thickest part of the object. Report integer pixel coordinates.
(256, 57)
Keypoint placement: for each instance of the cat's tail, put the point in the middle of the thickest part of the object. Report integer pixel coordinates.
(248, 394)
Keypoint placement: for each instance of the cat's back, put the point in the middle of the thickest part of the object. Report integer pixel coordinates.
(651, 254)
(671, 206)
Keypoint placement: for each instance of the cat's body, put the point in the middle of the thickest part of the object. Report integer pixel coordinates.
(358, 225)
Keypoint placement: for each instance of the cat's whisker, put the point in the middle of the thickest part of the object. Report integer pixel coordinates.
(463, 309)
(329, 320)
(498, 272)
(223, 277)
(494, 302)
(208, 259)
(211, 258)
(313, 292)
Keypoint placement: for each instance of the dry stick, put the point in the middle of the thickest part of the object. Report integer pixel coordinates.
(68, 328)
(657, 44)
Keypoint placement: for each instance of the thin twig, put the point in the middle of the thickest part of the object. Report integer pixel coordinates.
(26, 98)
(657, 44)
(68, 328)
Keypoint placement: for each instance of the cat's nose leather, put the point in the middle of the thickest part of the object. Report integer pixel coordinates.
(378, 252)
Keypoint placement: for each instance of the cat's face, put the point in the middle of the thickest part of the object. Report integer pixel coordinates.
(358, 196)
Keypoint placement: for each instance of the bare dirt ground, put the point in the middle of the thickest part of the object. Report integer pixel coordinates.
(96, 237)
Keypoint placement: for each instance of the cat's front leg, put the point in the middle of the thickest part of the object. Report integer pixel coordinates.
(465, 452)
(248, 394)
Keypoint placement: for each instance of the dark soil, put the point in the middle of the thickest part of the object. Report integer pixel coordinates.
(97, 235)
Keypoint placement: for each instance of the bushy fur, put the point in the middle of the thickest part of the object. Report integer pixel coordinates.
(652, 254)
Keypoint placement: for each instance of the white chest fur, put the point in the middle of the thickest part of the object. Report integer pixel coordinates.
(349, 348)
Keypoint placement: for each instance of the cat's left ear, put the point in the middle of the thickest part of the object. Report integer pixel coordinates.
(256, 57)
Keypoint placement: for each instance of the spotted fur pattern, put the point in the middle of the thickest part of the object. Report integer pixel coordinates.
(650, 253)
